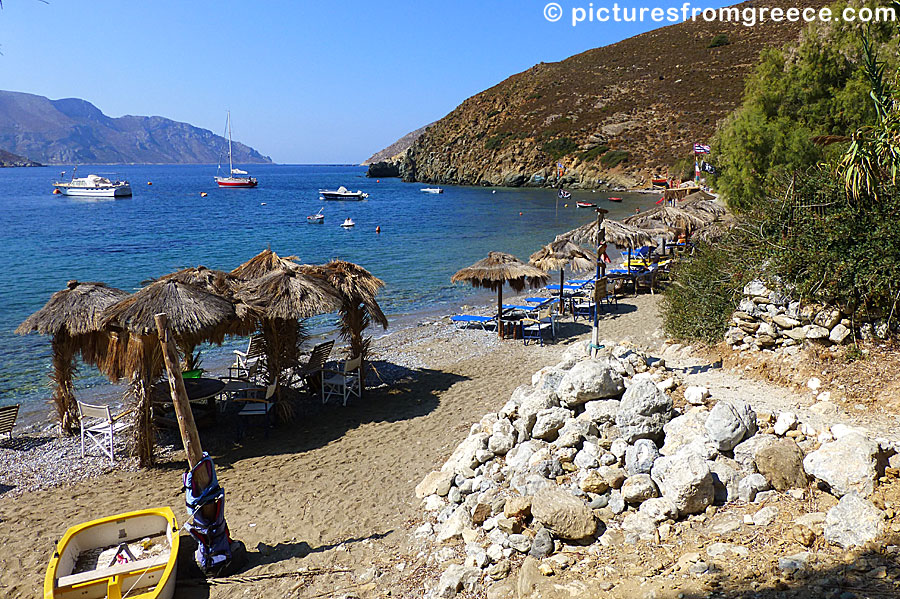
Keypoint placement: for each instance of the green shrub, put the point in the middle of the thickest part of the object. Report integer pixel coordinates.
(534, 96)
(719, 40)
(614, 158)
(697, 305)
(496, 142)
(593, 153)
(559, 147)
(493, 113)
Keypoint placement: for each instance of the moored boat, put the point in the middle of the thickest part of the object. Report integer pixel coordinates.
(236, 177)
(342, 193)
(348, 223)
(432, 190)
(93, 186)
(133, 554)
(585, 205)
(615, 199)
(318, 217)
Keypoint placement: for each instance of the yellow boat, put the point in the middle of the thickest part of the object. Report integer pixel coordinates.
(130, 555)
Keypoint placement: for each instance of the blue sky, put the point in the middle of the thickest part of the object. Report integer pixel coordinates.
(307, 82)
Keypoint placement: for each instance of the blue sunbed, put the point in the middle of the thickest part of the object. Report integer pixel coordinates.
(467, 319)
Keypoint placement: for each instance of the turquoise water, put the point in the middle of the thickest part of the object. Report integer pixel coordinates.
(48, 239)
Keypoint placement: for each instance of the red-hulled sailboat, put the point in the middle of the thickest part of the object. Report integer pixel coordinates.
(236, 177)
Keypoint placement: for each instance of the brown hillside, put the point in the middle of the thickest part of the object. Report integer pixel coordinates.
(651, 96)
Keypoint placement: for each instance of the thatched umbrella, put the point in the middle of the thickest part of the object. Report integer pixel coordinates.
(558, 254)
(668, 216)
(359, 308)
(706, 209)
(280, 300)
(73, 318)
(219, 282)
(262, 264)
(195, 316)
(618, 233)
(499, 268)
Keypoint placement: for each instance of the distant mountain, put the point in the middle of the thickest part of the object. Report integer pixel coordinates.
(10, 159)
(398, 147)
(76, 131)
(619, 114)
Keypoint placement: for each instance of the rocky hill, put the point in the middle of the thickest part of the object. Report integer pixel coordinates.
(619, 113)
(398, 147)
(9, 159)
(73, 130)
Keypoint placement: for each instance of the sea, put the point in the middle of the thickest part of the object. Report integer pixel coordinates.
(167, 225)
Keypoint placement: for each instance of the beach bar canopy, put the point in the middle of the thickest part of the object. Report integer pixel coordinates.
(559, 254)
(499, 269)
(195, 316)
(73, 317)
(669, 216)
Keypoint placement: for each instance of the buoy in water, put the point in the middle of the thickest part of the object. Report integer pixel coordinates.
(262, 203)
(203, 194)
(378, 180)
(149, 182)
(378, 229)
(56, 192)
(566, 206)
(520, 214)
(494, 191)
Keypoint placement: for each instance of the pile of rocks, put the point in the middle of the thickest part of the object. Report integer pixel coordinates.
(767, 319)
(593, 451)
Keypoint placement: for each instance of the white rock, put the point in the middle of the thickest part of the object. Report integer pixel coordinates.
(848, 465)
(765, 516)
(729, 422)
(751, 485)
(686, 480)
(587, 380)
(639, 457)
(549, 422)
(814, 383)
(659, 509)
(853, 522)
(786, 421)
(639, 488)
(696, 395)
(643, 411)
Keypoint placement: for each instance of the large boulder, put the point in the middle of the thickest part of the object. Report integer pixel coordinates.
(782, 465)
(565, 515)
(853, 522)
(746, 451)
(684, 430)
(643, 411)
(639, 457)
(435, 483)
(729, 422)
(601, 411)
(549, 422)
(685, 478)
(463, 458)
(638, 489)
(588, 380)
(848, 465)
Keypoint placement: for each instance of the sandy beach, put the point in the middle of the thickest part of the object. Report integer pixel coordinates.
(325, 503)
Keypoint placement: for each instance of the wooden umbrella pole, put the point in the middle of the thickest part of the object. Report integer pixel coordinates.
(500, 310)
(601, 271)
(186, 425)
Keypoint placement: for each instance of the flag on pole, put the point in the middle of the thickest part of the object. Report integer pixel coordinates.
(701, 149)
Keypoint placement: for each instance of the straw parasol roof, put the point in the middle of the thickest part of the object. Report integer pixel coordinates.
(288, 293)
(262, 264)
(705, 208)
(558, 254)
(697, 196)
(215, 281)
(668, 216)
(73, 318)
(77, 310)
(616, 232)
(499, 268)
(561, 253)
(195, 316)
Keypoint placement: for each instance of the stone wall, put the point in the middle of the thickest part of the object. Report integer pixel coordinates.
(767, 319)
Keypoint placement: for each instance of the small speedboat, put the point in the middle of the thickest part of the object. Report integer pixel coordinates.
(432, 190)
(615, 199)
(585, 205)
(342, 193)
(318, 217)
(133, 554)
(348, 223)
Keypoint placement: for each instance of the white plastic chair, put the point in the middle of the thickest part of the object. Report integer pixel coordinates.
(244, 361)
(342, 383)
(99, 425)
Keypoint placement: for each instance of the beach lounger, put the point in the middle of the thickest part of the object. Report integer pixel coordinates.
(312, 371)
(8, 415)
(244, 359)
(464, 320)
(257, 402)
(342, 383)
(100, 426)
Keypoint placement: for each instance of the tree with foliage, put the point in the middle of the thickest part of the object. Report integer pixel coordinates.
(814, 88)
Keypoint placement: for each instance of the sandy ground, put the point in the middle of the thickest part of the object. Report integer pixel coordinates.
(324, 505)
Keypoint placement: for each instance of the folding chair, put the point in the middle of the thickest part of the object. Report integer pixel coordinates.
(99, 425)
(244, 360)
(533, 329)
(258, 402)
(312, 370)
(8, 415)
(343, 383)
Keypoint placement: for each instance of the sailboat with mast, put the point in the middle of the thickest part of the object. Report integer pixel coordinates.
(236, 177)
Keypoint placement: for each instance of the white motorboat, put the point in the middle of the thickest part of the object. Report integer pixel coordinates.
(93, 186)
(432, 190)
(342, 193)
(348, 223)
